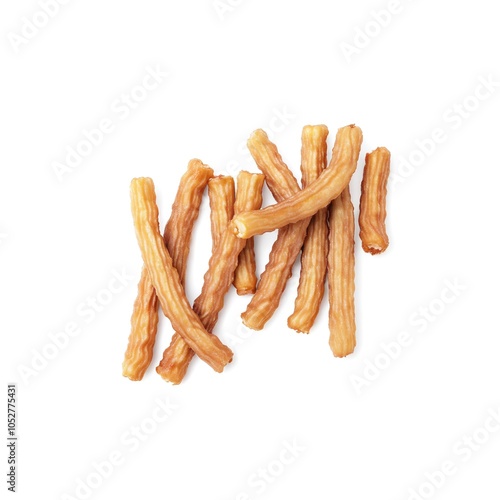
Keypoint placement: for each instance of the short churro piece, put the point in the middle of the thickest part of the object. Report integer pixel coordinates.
(290, 238)
(315, 250)
(177, 235)
(310, 200)
(341, 276)
(221, 194)
(217, 281)
(372, 209)
(245, 278)
(166, 280)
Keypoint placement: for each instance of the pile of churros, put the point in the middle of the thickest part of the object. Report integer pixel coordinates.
(317, 219)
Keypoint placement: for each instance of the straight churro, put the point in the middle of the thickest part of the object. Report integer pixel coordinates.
(315, 250)
(341, 276)
(372, 205)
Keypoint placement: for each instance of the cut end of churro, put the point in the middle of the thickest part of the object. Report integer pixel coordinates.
(256, 134)
(131, 376)
(252, 322)
(171, 375)
(342, 349)
(374, 249)
(238, 228)
(293, 326)
(381, 150)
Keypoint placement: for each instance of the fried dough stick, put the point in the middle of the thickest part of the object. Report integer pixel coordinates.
(315, 250)
(245, 278)
(222, 210)
(166, 280)
(177, 235)
(290, 238)
(221, 193)
(217, 281)
(342, 323)
(310, 200)
(372, 209)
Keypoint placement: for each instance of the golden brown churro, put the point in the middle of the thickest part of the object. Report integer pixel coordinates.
(245, 278)
(166, 280)
(177, 236)
(290, 238)
(317, 195)
(217, 281)
(341, 276)
(372, 209)
(315, 250)
(221, 194)
(142, 336)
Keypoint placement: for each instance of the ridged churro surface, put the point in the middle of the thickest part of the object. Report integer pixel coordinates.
(317, 195)
(217, 281)
(177, 236)
(372, 205)
(315, 250)
(166, 280)
(341, 276)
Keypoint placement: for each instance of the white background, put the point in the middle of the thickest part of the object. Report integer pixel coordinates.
(229, 74)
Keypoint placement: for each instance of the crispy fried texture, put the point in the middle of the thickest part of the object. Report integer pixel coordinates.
(290, 238)
(177, 236)
(341, 276)
(372, 205)
(221, 194)
(166, 280)
(245, 278)
(317, 195)
(315, 250)
(142, 336)
(217, 281)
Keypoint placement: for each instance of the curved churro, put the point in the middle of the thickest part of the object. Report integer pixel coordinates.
(217, 282)
(177, 236)
(166, 280)
(317, 195)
